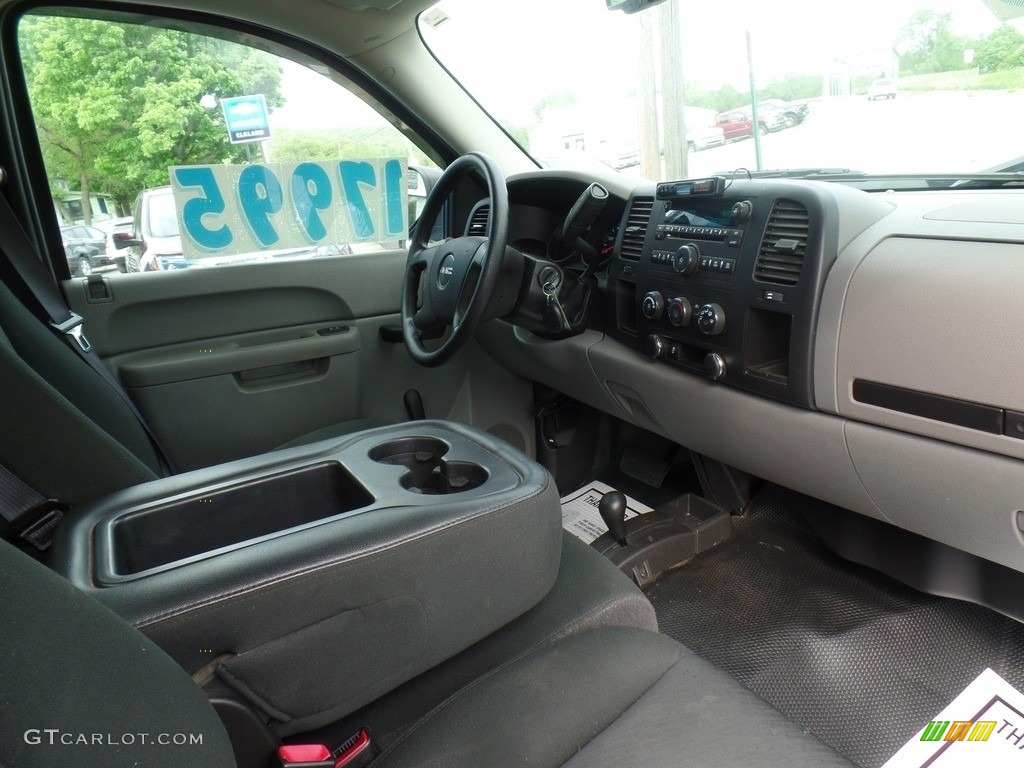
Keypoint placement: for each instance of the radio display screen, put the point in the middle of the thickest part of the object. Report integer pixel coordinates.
(708, 213)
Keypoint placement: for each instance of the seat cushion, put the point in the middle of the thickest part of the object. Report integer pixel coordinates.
(610, 696)
(589, 592)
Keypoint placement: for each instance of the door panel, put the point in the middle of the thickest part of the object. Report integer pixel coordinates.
(227, 362)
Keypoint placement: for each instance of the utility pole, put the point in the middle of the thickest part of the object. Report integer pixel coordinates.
(753, 103)
(647, 91)
(673, 103)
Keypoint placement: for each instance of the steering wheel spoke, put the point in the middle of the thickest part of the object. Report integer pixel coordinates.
(459, 277)
(425, 321)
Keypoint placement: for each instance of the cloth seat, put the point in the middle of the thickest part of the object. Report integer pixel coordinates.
(80, 687)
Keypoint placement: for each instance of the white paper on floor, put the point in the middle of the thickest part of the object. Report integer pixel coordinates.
(579, 511)
(983, 726)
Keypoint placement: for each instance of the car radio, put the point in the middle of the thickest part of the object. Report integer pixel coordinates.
(726, 280)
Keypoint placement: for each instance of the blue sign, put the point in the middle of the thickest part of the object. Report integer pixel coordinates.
(247, 118)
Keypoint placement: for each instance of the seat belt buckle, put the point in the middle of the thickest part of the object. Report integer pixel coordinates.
(73, 327)
(304, 756)
(356, 752)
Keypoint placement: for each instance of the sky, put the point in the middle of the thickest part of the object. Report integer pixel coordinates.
(541, 46)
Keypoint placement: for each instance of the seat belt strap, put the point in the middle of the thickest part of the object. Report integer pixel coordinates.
(25, 512)
(21, 255)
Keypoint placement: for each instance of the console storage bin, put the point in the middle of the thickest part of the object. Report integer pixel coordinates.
(315, 579)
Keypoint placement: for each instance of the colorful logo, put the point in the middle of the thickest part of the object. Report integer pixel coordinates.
(958, 730)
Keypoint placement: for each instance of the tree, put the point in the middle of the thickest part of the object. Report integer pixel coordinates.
(926, 43)
(1003, 49)
(117, 104)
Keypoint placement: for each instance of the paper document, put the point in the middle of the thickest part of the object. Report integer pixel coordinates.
(579, 511)
(983, 726)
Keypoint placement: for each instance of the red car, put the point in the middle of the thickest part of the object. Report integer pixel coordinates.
(738, 123)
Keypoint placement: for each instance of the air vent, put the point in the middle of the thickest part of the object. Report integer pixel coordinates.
(479, 221)
(636, 228)
(781, 255)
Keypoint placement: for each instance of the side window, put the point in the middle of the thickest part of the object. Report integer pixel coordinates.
(221, 152)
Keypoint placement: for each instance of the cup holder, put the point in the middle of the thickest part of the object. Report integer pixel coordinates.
(447, 477)
(428, 472)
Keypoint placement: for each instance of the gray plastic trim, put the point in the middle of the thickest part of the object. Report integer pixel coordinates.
(936, 316)
(964, 498)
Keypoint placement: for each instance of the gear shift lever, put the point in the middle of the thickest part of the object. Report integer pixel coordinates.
(612, 509)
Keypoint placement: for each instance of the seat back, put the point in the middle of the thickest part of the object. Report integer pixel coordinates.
(67, 432)
(81, 687)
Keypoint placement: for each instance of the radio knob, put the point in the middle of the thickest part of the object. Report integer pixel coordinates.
(680, 312)
(711, 319)
(714, 366)
(655, 346)
(742, 210)
(686, 259)
(653, 305)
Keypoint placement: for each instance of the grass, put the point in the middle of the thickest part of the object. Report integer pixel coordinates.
(964, 80)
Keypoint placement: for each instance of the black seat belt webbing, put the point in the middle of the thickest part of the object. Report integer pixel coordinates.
(25, 512)
(21, 256)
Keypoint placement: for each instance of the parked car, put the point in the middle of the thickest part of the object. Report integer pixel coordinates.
(118, 231)
(882, 88)
(739, 123)
(793, 112)
(155, 243)
(700, 137)
(85, 248)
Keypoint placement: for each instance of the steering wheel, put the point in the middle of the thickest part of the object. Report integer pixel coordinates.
(459, 275)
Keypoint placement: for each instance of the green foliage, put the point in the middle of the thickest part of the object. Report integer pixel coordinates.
(1003, 49)
(965, 80)
(720, 100)
(521, 134)
(926, 43)
(793, 88)
(788, 88)
(117, 104)
(297, 145)
(552, 101)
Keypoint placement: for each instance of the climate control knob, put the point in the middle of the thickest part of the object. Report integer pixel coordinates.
(686, 259)
(655, 346)
(710, 319)
(653, 305)
(680, 311)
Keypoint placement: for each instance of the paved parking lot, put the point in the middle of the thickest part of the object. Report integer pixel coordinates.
(916, 132)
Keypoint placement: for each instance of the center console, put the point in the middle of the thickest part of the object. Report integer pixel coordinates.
(723, 278)
(315, 579)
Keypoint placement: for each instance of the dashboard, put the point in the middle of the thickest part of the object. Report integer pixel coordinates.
(862, 348)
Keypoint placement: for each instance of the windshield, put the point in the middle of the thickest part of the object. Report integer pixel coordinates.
(163, 217)
(879, 86)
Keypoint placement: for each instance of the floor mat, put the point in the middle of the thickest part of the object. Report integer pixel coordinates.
(858, 659)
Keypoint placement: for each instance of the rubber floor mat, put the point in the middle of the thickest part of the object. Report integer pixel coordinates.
(858, 659)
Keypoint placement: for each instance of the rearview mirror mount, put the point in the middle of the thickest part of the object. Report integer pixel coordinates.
(631, 6)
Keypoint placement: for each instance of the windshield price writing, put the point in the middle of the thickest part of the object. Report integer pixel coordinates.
(231, 209)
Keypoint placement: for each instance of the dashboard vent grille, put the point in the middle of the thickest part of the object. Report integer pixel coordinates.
(479, 220)
(636, 228)
(781, 255)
